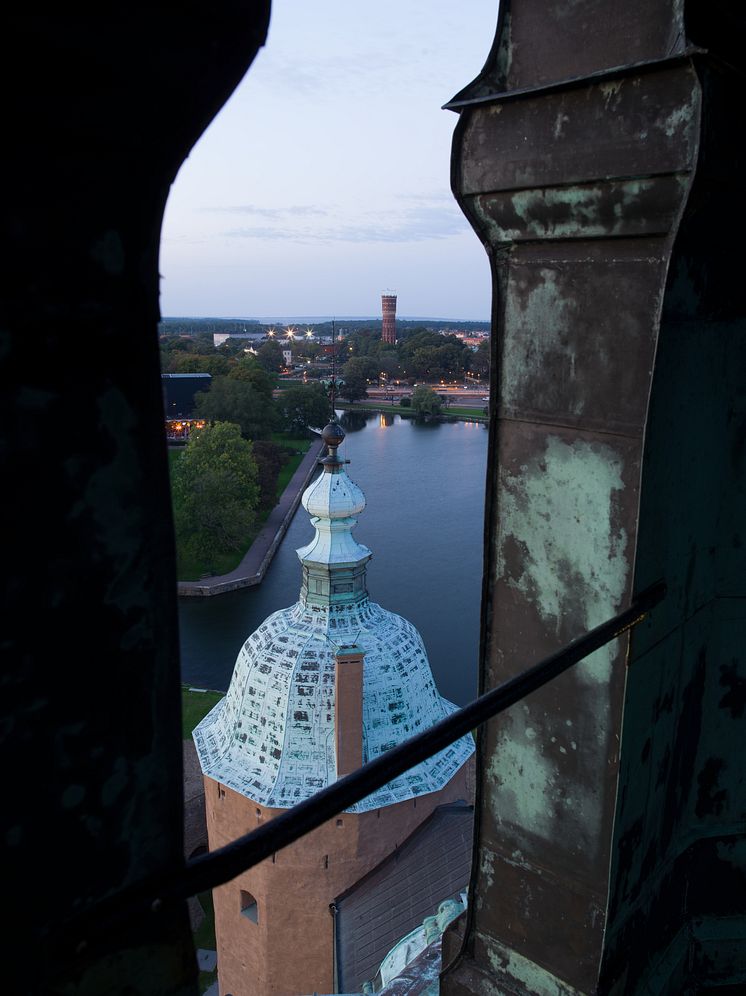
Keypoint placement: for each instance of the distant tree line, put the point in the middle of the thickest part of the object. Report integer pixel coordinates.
(420, 355)
(343, 326)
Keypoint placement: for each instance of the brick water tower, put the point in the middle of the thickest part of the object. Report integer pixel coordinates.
(388, 307)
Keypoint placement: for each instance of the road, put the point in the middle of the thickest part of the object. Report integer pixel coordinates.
(457, 396)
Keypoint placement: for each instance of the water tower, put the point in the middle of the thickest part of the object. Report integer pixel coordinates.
(388, 307)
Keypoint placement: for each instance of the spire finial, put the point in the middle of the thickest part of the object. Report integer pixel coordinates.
(333, 435)
(333, 385)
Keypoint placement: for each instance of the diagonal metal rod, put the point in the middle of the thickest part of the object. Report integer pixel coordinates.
(224, 864)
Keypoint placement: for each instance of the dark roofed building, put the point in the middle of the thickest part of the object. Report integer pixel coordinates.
(407, 886)
(179, 391)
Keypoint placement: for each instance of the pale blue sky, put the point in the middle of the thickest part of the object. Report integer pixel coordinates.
(325, 178)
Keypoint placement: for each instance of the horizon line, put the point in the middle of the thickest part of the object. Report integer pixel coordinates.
(319, 318)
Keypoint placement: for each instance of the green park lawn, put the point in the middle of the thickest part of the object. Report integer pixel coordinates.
(192, 568)
(297, 449)
(387, 406)
(467, 412)
(194, 707)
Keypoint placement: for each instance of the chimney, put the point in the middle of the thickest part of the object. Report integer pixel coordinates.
(348, 709)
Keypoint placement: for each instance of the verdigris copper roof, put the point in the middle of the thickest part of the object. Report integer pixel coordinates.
(272, 738)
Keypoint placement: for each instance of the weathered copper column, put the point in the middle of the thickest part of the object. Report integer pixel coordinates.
(595, 160)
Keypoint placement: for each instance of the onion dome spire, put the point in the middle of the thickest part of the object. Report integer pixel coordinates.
(272, 738)
(333, 562)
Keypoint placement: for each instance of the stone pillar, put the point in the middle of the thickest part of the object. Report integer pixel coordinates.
(594, 159)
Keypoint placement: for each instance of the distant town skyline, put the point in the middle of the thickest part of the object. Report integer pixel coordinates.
(325, 178)
(264, 319)
(324, 319)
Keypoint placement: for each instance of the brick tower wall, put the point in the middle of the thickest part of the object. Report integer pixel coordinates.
(289, 948)
(388, 306)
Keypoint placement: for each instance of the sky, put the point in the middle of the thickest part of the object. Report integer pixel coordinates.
(325, 179)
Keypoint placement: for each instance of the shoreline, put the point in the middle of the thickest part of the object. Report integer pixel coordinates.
(395, 409)
(255, 562)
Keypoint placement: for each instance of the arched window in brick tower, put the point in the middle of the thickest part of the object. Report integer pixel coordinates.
(249, 907)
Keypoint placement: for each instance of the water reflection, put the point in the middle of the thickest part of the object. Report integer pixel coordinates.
(423, 422)
(353, 421)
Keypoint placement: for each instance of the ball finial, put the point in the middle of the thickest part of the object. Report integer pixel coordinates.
(333, 434)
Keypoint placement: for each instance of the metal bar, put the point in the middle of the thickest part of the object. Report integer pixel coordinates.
(227, 862)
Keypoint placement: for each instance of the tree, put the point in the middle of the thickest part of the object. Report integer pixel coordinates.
(203, 344)
(406, 332)
(269, 461)
(479, 361)
(425, 363)
(171, 343)
(425, 401)
(302, 405)
(310, 348)
(195, 363)
(232, 348)
(427, 354)
(215, 492)
(249, 370)
(238, 402)
(269, 356)
(388, 364)
(366, 366)
(355, 374)
(364, 342)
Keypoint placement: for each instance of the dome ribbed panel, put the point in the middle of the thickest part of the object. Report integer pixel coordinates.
(273, 738)
(333, 496)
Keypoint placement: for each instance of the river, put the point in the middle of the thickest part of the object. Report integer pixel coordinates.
(424, 484)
